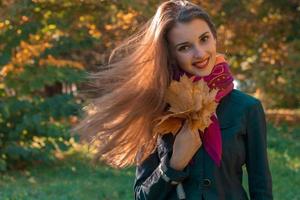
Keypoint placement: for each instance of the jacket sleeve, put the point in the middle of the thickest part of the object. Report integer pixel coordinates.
(259, 176)
(149, 183)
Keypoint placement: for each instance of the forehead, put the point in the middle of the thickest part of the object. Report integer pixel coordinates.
(187, 31)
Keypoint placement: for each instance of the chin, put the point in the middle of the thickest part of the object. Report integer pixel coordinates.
(204, 72)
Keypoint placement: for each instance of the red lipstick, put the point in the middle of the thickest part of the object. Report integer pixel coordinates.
(201, 64)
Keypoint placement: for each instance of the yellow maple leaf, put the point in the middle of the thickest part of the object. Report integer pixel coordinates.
(188, 100)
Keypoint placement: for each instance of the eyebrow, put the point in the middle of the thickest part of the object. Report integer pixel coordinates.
(188, 42)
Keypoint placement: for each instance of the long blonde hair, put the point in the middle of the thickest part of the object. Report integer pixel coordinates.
(129, 94)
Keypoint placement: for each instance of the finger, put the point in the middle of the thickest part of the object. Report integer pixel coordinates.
(196, 134)
(185, 125)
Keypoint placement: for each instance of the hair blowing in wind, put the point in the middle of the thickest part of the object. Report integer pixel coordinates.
(129, 94)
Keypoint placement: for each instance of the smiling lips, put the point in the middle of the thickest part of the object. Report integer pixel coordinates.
(201, 64)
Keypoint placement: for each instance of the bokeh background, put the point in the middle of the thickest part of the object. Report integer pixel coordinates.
(48, 46)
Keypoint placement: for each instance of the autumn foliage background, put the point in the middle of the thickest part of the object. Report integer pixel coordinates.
(47, 46)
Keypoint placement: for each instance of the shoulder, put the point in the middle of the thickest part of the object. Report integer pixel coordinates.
(242, 99)
(236, 105)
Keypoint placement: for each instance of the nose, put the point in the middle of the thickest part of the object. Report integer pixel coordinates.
(198, 52)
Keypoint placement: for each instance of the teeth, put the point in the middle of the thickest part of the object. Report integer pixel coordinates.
(204, 61)
(201, 64)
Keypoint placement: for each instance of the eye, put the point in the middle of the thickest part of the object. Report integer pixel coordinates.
(205, 38)
(184, 48)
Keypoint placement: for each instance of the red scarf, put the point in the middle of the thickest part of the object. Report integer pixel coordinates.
(221, 79)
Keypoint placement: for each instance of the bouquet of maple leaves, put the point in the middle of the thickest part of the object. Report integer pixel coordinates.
(188, 100)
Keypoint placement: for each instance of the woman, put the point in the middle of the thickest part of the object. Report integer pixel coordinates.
(179, 40)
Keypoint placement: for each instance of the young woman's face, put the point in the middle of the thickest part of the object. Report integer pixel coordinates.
(193, 47)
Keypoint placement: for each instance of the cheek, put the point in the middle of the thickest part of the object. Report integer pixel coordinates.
(183, 58)
(212, 47)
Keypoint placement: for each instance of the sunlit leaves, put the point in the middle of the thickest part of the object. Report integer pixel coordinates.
(259, 38)
(188, 100)
(47, 43)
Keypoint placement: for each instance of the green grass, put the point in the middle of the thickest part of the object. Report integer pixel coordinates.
(284, 155)
(76, 179)
(72, 179)
(284, 161)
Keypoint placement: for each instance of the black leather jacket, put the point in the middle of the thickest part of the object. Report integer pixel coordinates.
(243, 128)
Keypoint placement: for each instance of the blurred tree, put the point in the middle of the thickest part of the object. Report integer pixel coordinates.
(46, 47)
(261, 39)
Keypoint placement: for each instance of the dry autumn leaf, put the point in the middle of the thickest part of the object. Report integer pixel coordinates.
(188, 100)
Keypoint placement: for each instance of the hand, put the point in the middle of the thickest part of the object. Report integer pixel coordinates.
(186, 144)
